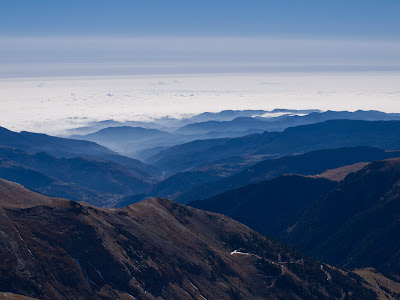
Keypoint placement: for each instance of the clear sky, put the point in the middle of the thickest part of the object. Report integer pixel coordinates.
(76, 37)
(316, 18)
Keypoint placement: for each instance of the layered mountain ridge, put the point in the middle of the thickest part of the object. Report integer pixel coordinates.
(188, 186)
(293, 140)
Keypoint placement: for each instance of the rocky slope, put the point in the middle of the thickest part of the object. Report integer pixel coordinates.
(155, 249)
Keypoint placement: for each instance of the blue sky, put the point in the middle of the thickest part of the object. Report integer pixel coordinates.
(50, 37)
(319, 18)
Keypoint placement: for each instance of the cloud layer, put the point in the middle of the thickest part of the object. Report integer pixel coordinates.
(53, 105)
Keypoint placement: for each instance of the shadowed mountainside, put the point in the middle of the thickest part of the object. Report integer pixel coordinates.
(358, 223)
(294, 140)
(270, 206)
(311, 163)
(352, 224)
(80, 178)
(174, 186)
(37, 142)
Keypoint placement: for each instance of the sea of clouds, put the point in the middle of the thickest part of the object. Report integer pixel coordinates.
(55, 104)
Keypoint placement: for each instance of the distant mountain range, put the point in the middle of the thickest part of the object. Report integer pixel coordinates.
(171, 124)
(240, 123)
(162, 132)
(132, 140)
(135, 141)
(94, 126)
(278, 118)
(54, 249)
(280, 123)
(225, 115)
(229, 115)
(294, 140)
(144, 139)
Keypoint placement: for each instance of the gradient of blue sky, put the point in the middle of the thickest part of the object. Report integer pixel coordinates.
(319, 18)
(88, 37)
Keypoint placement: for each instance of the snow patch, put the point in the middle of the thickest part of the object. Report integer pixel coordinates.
(97, 271)
(198, 290)
(194, 285)
(26, 245)
(84, 272)
(238, 252)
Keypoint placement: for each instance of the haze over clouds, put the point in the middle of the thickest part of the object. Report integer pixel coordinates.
(90, 37)
(77, 56)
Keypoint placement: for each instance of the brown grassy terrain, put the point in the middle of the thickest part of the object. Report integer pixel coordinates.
(339, 174)
(15, 194)
(11, 296)
(386, 288)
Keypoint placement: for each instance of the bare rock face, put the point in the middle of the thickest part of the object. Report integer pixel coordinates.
(155, 249)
